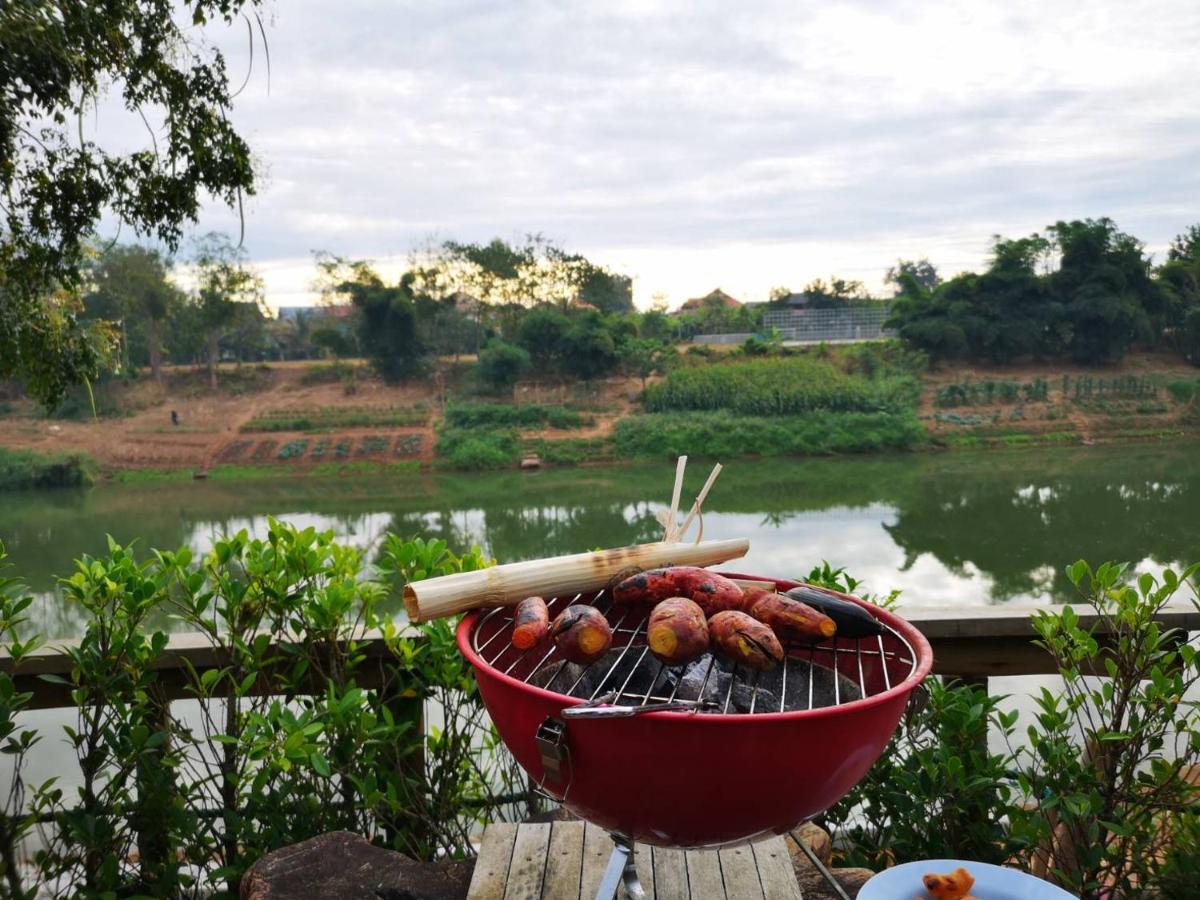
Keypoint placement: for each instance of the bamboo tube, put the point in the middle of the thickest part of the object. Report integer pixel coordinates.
(579, 573)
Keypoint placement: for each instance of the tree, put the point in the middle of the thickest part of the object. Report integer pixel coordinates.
(1105, 287)
(1185, 247)
(130, 284)
(501, 364)
(643, 357)
(920, 272)
(542, 334)
(388, 332)
(526, 273)
(655, 325)
(56, 60)
(335, 340)
(228, 294)
(589, 349)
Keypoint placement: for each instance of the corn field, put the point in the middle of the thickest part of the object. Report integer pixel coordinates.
(778, 387)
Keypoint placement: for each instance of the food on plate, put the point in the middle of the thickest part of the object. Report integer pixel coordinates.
(955, 886)
(851, 619)
(789, 618)
(713, 593)
(531, 623)
(745, 640)
(581, 633)
(677, 632)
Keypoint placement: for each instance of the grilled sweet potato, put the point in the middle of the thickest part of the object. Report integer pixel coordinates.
(531, 623)
(745, 640)
(581, 633)
(789, 619)
(650, 586)
(711, 592)
(677, 631)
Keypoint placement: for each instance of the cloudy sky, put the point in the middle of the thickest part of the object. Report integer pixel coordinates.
(697, 144)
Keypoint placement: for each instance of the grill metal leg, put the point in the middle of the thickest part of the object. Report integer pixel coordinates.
(621, 869)
(820, 867)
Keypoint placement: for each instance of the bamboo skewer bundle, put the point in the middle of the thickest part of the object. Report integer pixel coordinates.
(578, 573)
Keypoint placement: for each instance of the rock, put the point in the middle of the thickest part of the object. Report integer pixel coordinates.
(531, 462)
(818, 841)
(814, 887)
(345, 865)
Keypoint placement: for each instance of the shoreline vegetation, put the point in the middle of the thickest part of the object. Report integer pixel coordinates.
(739, 403)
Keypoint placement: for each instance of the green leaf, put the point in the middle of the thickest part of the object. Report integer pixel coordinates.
(320, 764)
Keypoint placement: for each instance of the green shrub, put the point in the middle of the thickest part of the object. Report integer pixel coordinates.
(30, 469)
(500, 365)
(246, 772)
(1184, 390)
(1101, 768)
(528, 415)
(937, 790)
(769, 387)
(725, 435)
(463, 448)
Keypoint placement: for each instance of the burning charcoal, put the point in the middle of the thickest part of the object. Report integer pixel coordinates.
(557, 676)
(823, 694)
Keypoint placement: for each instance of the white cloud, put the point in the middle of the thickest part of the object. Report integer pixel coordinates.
(703, 143)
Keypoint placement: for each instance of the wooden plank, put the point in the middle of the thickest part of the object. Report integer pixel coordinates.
(528, 865)
(670, 874)
(597, 848)
(704, 875)
(491, 866)
(775, 871)
(1014, 621)
(739, 871)
(564, 862)
(969, 641)
(643, 860)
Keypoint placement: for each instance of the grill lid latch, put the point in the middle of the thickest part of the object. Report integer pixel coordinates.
(551, 740)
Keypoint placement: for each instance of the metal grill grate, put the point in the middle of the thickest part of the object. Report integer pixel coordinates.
(629, 675)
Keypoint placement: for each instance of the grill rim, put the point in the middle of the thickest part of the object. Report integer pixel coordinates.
(920, 645)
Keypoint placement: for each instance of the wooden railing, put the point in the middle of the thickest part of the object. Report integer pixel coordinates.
(973, 643)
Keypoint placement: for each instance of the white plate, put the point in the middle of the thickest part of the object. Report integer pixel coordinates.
(991, 882)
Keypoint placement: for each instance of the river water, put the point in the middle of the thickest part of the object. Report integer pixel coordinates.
(965, 528)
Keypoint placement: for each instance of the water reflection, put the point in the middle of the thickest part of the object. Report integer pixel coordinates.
(967, 528)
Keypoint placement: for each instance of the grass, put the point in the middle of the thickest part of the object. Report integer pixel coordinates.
(325, 418)
(30, 469)
(573, 451)
(248, 473)
(722, 434)
(529, 415)
(783, 386)
(328, 373)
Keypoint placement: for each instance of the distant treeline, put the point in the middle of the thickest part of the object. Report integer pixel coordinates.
(1081, 290)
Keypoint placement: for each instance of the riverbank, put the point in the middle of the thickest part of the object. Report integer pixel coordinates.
(310, 420)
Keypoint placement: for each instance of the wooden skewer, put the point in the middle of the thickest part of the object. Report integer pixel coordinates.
(669, 534)
(699, 500)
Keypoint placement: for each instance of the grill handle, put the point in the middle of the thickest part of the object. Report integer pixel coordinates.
(622, 712)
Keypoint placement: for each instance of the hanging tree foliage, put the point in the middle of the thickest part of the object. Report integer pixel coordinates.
(57, 61)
